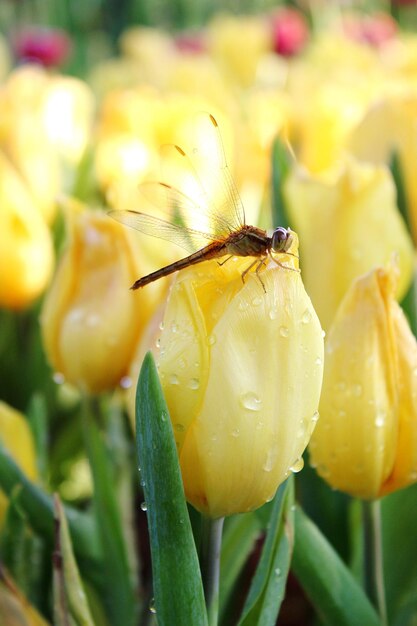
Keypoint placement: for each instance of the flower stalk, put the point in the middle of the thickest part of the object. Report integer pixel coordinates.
(211, 540)
(373, 566)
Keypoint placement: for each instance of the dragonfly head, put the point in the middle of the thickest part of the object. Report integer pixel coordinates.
(281, 239)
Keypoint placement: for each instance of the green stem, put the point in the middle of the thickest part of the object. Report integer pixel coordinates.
(211, 541)
(373, 556)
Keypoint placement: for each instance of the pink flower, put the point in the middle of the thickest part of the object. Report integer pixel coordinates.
(45, 46)
(289, 32)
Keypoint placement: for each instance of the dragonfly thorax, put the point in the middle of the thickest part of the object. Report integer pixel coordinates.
(281, 239)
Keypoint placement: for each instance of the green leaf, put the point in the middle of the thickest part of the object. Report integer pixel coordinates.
(399, 522)
(268, 585)
(280, 168)
(335, 594)
(397, 174)
(239, 536)
(70, 601)
(117, 582)
(178, 590)
(39, 509)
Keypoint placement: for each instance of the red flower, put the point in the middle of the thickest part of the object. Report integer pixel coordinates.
(47, 47)
(289, 32)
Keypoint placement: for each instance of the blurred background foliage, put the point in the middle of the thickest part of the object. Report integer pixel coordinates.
(66, 444)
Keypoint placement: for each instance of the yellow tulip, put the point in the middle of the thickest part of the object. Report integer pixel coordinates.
(387, 127)
(16, 436)
(348, 223)
(365, 443)
(241, 368)
(26, 251)
(238, 44)
(91, 320)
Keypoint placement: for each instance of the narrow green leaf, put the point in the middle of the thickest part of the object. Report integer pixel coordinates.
(397, 174)
(70, 600)
(335, 594)
(178, 591)
(268, 586)
(280, 169)
(117, 577)
(399, 522)
(239, 536)
(39, 509)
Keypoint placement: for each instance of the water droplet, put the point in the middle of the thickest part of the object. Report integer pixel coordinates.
(173, 379)
(194, 383)
(273, 314)
(297, 466)
(144, 506)
(306, 317)
(142, 482)
(58, 378)
(158, 342)
(259, 425)
(125, 382)
(182, 363)
(174, 327)
(152, 607)
(235, 433)
(315, 417)
(179, 427)
(212, 340)
(380, 418)
(283, 331)
(164, 416)
(277, 572)
(323, 333)
(243, 305)
(318, 361)
(251, 401)
(161, 326)
(257, 301)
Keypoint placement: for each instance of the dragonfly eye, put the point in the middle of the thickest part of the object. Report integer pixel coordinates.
(281, 239)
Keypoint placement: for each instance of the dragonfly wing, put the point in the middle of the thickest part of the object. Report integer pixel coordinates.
(200, 172)
(209, 156)
(187, 238)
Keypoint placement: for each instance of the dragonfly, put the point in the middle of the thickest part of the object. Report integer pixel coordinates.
(208, 218)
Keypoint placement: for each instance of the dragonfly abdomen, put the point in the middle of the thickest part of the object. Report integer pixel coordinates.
(211, 251)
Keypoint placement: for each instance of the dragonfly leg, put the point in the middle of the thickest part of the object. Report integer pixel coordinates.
(261, 263)
(248, 269)
(220, 263)
(285, 267)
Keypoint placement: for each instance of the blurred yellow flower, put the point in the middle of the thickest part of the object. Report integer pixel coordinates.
(90, 319)
(45, 125)
(348, 223)
(237, 44)
(388, 127)
(365, 443)
(16, 436)
(26, 251)
(241, 368)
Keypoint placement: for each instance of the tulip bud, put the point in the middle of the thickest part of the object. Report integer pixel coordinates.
(366, 441)
(241, 366)
(16, 436)
(26, 253)
(348, 223)
(90, 320)
(237, 44)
